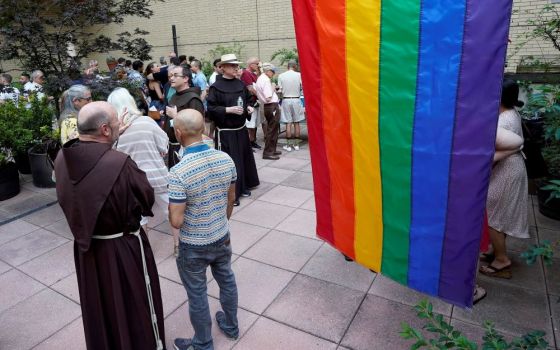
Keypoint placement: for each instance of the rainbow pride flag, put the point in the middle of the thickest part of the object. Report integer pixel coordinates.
(402, 102)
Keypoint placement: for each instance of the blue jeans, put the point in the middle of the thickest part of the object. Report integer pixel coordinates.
(192, 263)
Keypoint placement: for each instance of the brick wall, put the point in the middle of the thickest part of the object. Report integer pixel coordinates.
(519, 46)
(264, 26)
(261, 26)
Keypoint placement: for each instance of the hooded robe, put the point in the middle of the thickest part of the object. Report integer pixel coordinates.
(102, 192)
(225, 93)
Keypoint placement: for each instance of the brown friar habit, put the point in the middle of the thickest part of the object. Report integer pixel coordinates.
(102, 192)
(225, 93)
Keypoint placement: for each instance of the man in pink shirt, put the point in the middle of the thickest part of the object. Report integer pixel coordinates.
(269, 100)
(249, 76)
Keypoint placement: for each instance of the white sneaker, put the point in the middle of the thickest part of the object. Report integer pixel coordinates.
(296, 148)
(287, 148)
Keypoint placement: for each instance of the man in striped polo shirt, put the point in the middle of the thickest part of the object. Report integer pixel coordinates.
(201, 196)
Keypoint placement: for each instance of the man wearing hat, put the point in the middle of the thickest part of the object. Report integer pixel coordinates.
(228, 107)
(269, 100)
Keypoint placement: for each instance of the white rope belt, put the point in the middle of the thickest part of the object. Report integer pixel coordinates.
(220, 130)
(159, 344)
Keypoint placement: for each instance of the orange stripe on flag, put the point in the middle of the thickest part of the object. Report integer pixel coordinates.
(331, 30)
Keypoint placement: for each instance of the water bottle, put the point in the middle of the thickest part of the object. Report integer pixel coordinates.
(239, 102)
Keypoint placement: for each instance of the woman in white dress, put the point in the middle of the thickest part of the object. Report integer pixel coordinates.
(507, 195)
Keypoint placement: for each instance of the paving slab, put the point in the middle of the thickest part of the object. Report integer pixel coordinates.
(68, 287)
(378, 323)
(315, 306)
(162, 245)
(15, 286)
(290, 163)
(31, 322)
(329, 265)
(61, 228)
(523, 275)
(274, 175)
(288, 196)
(283, 250)
(173, 295)
(271, 335)
(552, 273)
(45, 217)
(263, 188)
(300, 222)
(555, 308)
(546, 222)
(25, 202)
(70, 337)
(15, 229)
(300, 180)
(244, 235)
(389, 289)
(475, 333)
(4, 267)
(309, 205)
(258, 284)
(519, 245)
(53, 266)
(164, 227)
(168, 269)
(30, 246)
(263, 214)
(530, 311)
(178, 325)
(550, 236)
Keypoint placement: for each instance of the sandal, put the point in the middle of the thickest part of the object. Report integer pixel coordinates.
(491, 271)
(487, 257)
(479, 294)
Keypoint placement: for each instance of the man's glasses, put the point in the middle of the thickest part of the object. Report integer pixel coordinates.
(176, 75)
(85, 98)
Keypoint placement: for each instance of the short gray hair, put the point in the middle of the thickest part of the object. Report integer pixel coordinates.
(36, 73)
(92, 124)
(292, 64)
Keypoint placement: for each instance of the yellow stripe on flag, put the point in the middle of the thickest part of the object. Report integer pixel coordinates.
(362, 59)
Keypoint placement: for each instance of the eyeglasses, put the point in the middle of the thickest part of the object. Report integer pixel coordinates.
(177, 75)
(85, 98)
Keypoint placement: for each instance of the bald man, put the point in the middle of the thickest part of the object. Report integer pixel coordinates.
(103, 195)
(201, 196)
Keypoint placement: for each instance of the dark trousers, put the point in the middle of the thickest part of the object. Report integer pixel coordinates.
(272, 116)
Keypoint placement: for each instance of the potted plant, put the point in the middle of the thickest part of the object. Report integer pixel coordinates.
(544, 104)
(40, 121)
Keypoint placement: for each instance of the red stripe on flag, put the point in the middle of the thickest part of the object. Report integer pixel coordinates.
(309, 59)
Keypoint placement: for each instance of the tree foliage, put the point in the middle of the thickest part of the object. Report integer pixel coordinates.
(55, 35)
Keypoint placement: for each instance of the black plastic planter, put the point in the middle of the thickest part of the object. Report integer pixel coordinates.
(41, 168)
(550, 209)
(22, 162)
(9, 181)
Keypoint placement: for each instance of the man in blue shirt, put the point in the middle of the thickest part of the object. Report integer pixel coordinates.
(201, 196)
(199, 79)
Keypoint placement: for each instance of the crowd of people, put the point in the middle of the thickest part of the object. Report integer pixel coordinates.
(186, 150)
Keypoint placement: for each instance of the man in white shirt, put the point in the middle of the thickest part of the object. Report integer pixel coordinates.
(269, 100)
(35, 86)
(292, 111)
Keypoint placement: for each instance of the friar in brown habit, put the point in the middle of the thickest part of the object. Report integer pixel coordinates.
(103, 194)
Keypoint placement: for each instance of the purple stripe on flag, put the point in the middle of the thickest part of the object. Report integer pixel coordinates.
(480, 81)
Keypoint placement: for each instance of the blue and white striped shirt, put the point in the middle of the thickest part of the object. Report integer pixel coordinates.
(201, 180)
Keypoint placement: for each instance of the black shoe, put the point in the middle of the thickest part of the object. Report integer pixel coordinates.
(255, 145)
(272, 157)
(246, 194)
(221, 320)
(183, 344)
(277, 153)
(236, 203)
